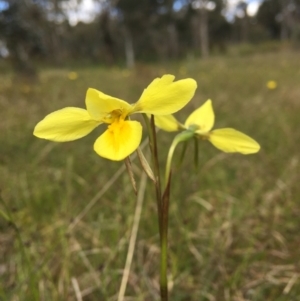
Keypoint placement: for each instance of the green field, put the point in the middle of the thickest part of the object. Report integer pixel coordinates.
(234, 220)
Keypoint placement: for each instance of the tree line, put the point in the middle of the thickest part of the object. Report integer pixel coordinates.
(130, 30)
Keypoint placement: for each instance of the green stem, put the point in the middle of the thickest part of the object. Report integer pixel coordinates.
(163, 200)
(153, 147)
(155, 156)
(163, 269)
(196, 152)
(164, 243)
(162, 208)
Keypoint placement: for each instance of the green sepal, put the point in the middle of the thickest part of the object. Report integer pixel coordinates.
(184, 136)
(181, 137)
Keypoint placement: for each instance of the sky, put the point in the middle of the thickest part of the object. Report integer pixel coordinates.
(87, 10)
(252, 8)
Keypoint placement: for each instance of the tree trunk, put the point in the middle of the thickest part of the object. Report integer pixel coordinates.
(204, 43)
(173, 40)
(284, 31)
(245, 25)
(129, 51)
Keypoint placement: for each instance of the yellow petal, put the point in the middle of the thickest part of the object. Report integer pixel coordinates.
(120, 140)
(164, 96)
(167, 123)
(65, 125)
(99, 105)
(231, 141)
(203, 118)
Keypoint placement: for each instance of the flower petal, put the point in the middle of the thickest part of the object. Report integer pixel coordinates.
(99, 105)
(167, 123)
(65, 125)
(120, 140)
(203, 118)
(164, 96)
(230, 141)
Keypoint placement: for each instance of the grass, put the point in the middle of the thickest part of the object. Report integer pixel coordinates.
(234, 220)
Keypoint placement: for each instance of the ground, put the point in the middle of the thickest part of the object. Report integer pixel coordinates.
(66, 213)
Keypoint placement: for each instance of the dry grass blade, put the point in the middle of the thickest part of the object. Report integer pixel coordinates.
(132, 241)
(76, 289)
(145, 165)
(131, 174)
(290, 284)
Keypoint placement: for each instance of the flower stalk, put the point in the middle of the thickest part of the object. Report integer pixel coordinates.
(162, 210)
(164, 242)
(154, 155)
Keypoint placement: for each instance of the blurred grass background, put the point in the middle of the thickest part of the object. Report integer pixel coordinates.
(234, 220)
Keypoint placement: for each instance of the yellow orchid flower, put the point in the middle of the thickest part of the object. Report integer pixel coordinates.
(201, 121)
(123, 136)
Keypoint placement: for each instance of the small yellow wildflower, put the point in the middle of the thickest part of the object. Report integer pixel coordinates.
(201, 121)
(271, 85)
(123, 136)
(72, 75)
(25, 89)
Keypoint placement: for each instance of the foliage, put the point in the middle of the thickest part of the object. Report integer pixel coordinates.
(280, 18)
(267, 14)
(20, 27)
(135, 30)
